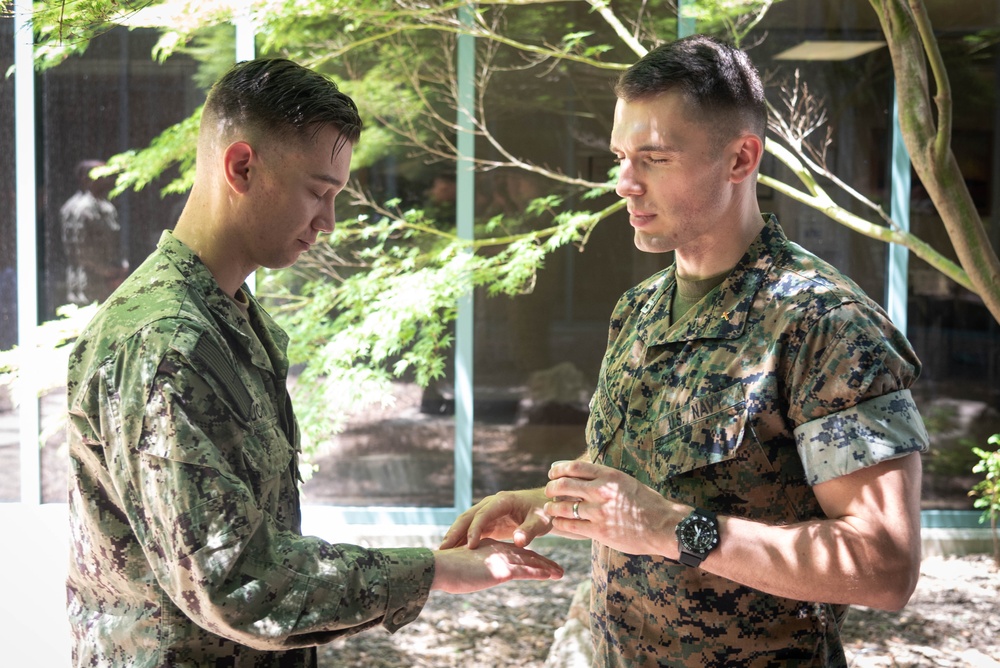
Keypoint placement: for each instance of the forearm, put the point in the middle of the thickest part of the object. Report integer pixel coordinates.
(866, 551)
(830, 561)
(825, 560)
(272, 589)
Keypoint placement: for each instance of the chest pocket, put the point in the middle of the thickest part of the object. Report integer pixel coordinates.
(709, 430)
(267, 453)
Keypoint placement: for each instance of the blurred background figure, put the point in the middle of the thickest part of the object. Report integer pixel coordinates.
(95, 264)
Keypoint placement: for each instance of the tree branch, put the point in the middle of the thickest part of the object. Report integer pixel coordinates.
(818, 199)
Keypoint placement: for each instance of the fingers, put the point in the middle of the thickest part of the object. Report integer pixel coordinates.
(566, 510)
(457, 533)
(574, 478)
(485, 516)
(519, 563)
(469, 528)
(506, 515)
(460, 571)
(574, 468)
(538, 523)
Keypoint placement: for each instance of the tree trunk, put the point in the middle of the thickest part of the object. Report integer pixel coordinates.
(912, 46)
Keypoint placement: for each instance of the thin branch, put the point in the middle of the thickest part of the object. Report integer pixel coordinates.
(603, 7)
(942, 85)
(818, 199)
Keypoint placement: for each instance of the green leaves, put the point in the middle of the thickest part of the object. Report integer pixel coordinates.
(377, 300)
(987, 490)
(174, 147)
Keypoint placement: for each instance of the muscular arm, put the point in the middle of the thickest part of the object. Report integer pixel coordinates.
(866, 552)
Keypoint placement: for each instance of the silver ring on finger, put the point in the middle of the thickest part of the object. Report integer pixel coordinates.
(576, 510)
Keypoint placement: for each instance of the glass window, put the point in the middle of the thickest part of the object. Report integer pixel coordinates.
(954, 334)
(537, 355)
(951, 330)
(107, 101)
(10, 489)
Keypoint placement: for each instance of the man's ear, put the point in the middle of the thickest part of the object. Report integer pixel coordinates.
(236, 162)
(749, 149)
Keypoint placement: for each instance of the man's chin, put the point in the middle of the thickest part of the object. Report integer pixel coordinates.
(651, 244)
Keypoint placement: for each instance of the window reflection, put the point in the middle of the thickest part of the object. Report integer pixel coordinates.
(537, 355)
(10, 488)
(107, 101)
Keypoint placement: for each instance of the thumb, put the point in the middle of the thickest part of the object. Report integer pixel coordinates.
(535, 525)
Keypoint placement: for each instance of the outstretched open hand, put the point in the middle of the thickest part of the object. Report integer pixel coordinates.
(462, 570)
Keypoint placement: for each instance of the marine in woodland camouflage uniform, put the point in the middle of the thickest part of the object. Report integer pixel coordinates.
(749, 381)
(186, 539)
(784, 376)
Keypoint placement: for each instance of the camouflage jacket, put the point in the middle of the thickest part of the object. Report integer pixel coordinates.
(184, 508)
(783, 376)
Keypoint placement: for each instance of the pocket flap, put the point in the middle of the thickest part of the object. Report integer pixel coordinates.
(708, 430)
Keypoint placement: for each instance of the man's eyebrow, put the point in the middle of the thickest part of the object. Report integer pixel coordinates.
(650, 148)
(647, 148)
(326, 178)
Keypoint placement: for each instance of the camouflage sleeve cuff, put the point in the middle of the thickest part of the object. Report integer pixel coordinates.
(866, 434)
(411, 572)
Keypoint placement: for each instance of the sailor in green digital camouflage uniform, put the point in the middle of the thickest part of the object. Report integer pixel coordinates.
(752, 463)
(184, 506)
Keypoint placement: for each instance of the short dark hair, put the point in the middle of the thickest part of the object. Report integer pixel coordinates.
(719, 81)
(277, 98)
(83, 169)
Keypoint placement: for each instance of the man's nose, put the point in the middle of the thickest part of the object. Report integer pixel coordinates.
(628, 185)
(326, 221)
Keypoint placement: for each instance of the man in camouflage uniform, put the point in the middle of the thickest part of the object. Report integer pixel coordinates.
(91, 236)
(752, 463)
(184, 506)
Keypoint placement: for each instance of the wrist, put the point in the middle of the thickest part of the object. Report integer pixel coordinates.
(697, 536)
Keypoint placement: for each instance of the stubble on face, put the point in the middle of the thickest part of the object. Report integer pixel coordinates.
(660, 148)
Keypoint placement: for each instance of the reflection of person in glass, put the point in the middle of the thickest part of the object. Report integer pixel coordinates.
(91, 236)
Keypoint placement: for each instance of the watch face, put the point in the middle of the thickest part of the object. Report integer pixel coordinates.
(697, 533)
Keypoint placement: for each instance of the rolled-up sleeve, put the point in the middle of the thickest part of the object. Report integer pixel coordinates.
(863, 435)
(850, 402)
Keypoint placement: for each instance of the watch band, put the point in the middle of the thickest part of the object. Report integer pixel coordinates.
(691, 559)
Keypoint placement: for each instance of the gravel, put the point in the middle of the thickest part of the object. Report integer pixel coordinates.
(953, 619)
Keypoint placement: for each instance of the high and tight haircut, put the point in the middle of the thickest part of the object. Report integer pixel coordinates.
(279, 99)
(717, 79)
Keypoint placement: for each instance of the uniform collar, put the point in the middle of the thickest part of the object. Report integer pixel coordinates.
(274, 340)
(723, 313)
